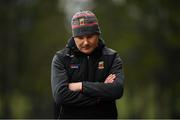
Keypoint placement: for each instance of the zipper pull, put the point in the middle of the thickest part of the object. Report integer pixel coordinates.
(88, 57)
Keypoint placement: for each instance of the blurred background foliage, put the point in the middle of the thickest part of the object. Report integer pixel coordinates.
(145, 34)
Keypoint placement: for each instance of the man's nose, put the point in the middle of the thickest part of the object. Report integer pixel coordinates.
(85, 40)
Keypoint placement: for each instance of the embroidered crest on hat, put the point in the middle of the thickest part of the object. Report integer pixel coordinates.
(81, 21)
(101, 65)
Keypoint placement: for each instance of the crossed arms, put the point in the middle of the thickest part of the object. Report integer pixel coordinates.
(77, 86)
(85, 93)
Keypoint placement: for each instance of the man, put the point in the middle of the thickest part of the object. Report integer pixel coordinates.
(86, 76)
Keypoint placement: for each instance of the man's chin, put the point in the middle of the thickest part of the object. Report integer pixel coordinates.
(87, 51)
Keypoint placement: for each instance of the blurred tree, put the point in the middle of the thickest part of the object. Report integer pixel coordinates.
(30, 33)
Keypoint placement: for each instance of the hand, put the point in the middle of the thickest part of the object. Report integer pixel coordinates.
(75, 86)
(110, 78)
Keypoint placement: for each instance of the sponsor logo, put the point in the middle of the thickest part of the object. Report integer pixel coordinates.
(74, 66)
(101, 65)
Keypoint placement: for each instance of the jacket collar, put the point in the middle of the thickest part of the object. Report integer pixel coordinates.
(73, 48)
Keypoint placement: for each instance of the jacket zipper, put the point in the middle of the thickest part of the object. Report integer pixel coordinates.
(87, 68)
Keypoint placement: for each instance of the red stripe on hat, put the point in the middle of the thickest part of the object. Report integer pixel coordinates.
(78, 26)
(83, 15)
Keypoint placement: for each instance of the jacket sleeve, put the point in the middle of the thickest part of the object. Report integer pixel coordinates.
(107, 91)
(61, 93)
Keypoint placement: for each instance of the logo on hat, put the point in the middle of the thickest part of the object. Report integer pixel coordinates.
(81, 21)
(101, 65)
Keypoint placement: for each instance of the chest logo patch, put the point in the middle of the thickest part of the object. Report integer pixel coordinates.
(74, 66)
(101, 65)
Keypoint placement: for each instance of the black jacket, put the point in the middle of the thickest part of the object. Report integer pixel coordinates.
(97, 99)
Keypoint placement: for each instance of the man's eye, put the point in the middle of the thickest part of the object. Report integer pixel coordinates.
(89, 36)
(80, 37)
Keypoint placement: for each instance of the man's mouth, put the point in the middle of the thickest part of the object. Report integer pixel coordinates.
(86, 47)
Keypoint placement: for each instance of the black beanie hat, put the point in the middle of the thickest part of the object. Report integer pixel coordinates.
(84, 23)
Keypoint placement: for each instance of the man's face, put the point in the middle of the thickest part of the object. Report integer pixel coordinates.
(86, 44)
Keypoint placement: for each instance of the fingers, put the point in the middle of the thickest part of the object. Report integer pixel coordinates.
(110, 78)
(70, 86)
